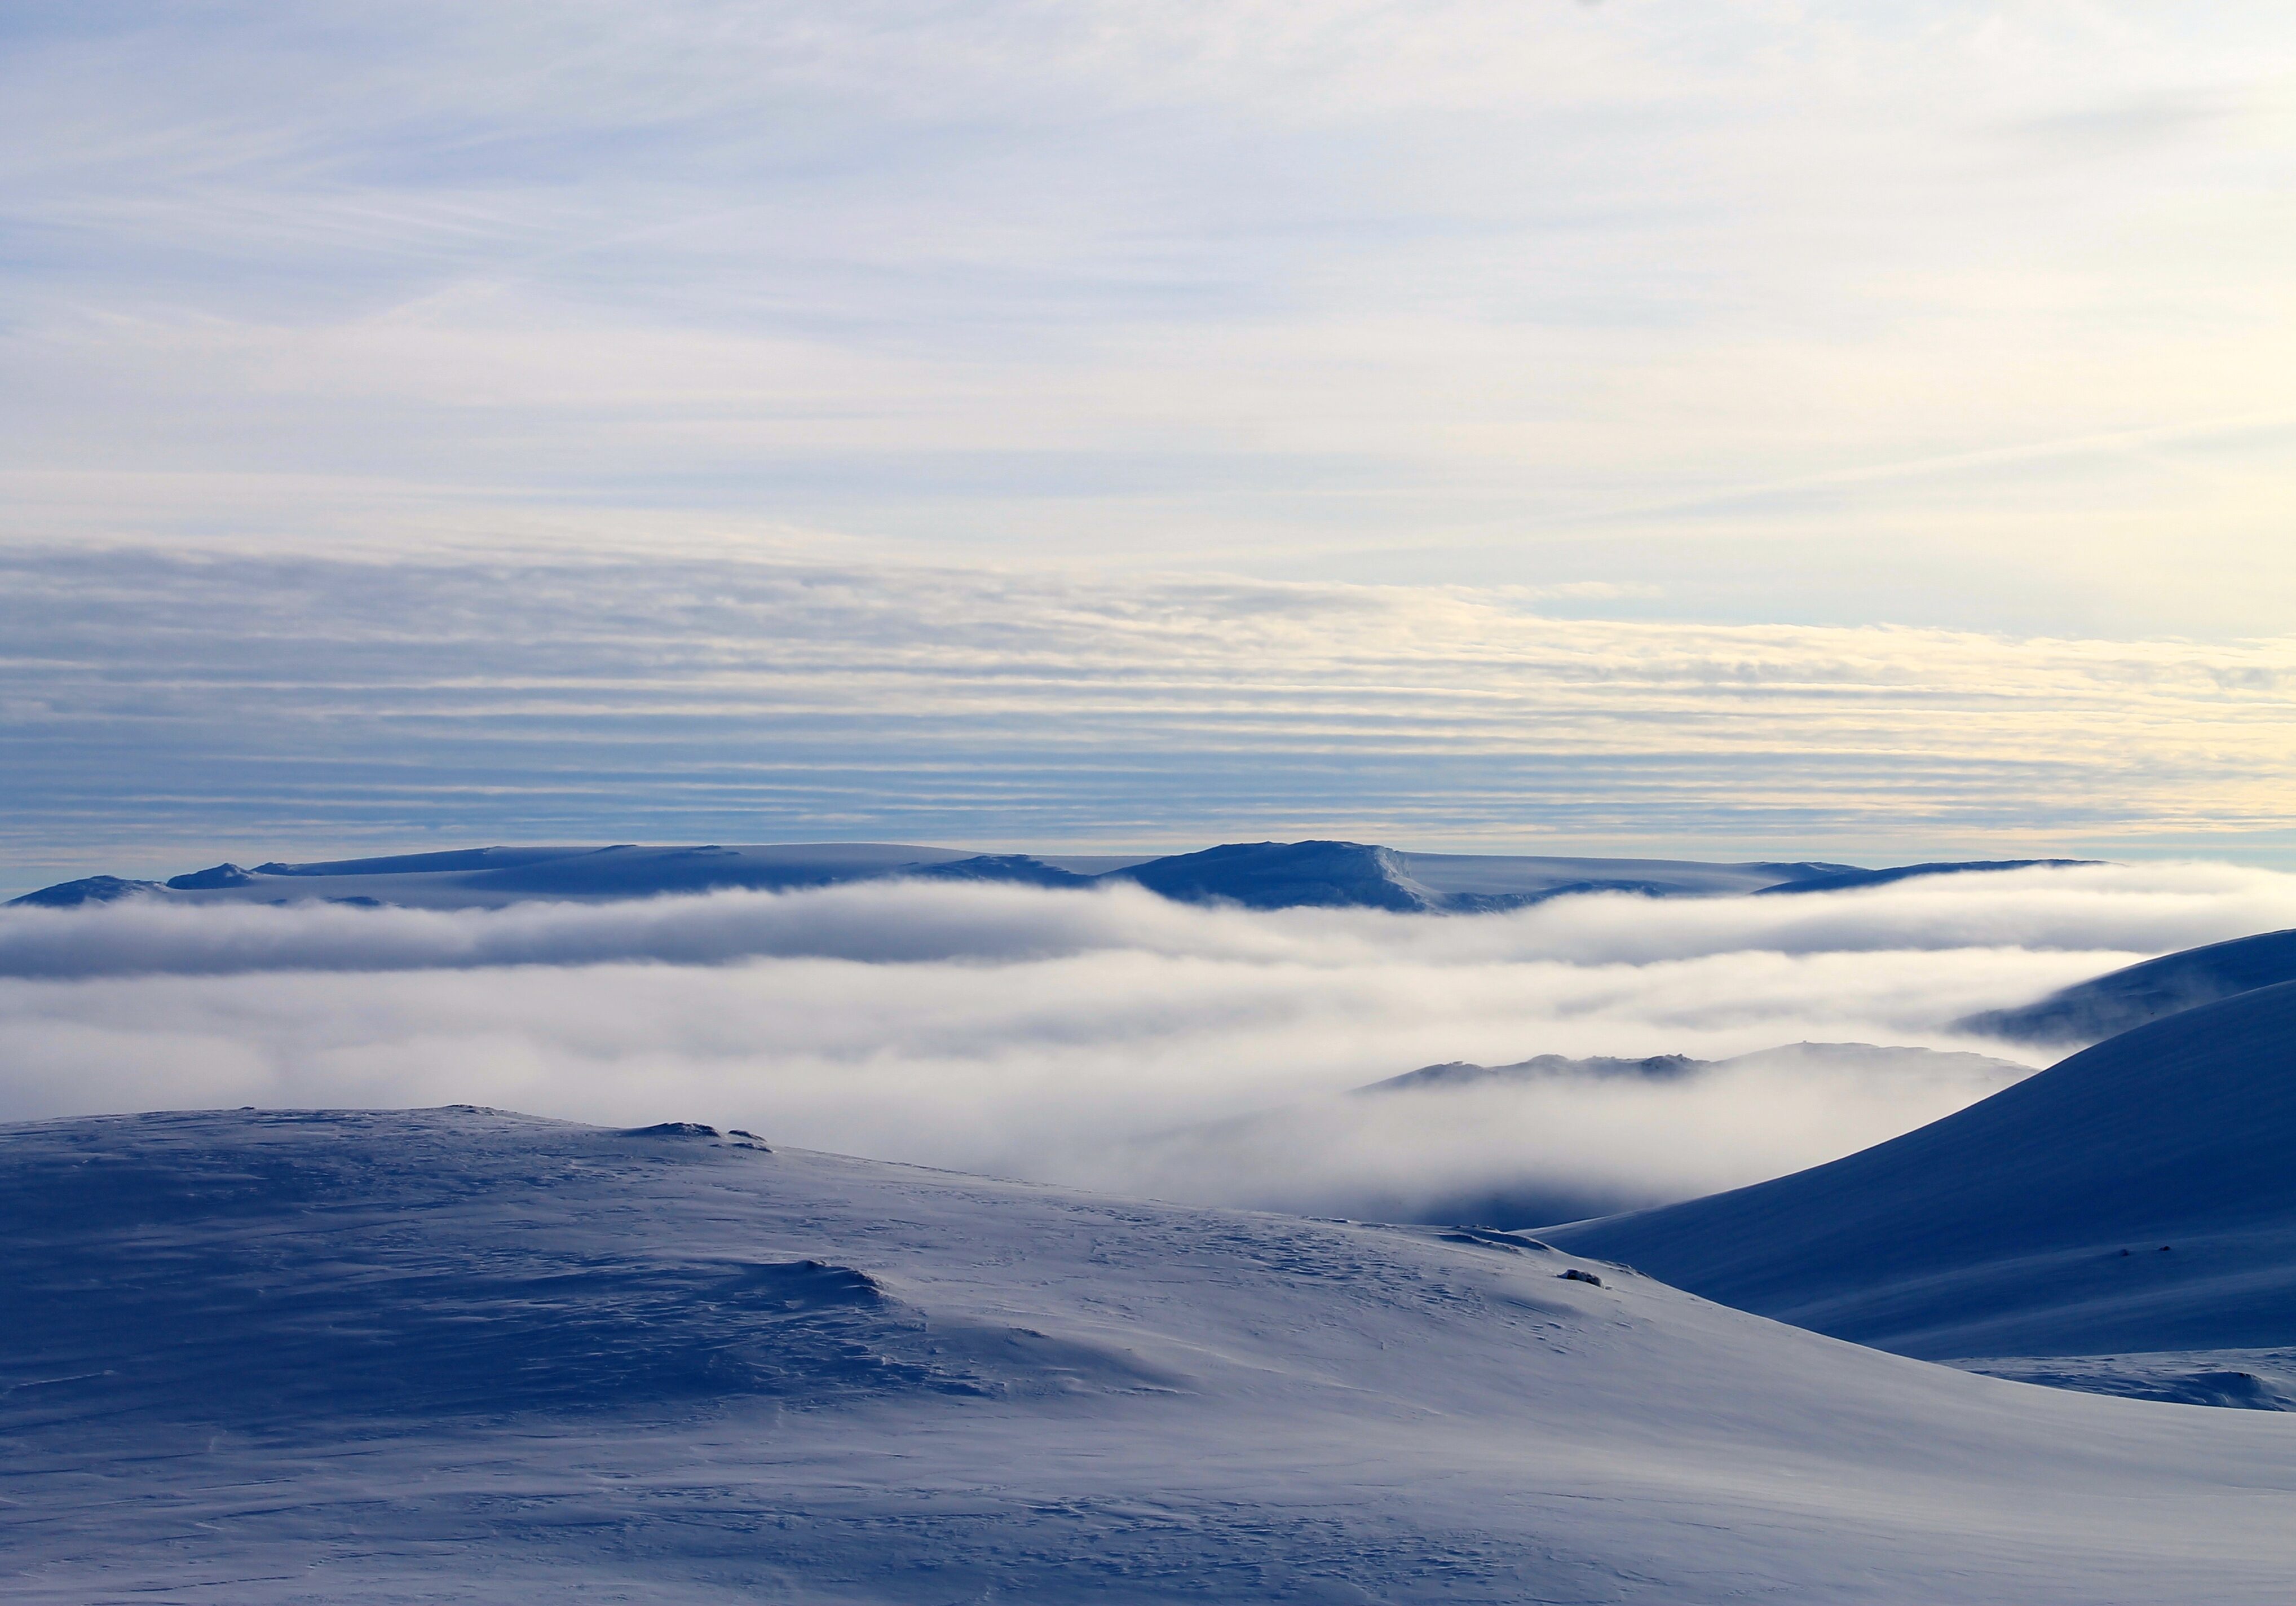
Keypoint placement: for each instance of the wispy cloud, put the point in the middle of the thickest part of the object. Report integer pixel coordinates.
(1478, 290)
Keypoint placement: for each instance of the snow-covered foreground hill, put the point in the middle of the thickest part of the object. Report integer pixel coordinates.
(2138, 1196)
(463, 1355)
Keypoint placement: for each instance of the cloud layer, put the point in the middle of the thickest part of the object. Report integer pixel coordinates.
(164, 712)
(1106, 1038)
(1483, 290)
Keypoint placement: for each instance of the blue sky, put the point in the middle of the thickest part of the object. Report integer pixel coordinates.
(1730, 428)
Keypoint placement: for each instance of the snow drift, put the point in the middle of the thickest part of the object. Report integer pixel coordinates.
(287, 1358)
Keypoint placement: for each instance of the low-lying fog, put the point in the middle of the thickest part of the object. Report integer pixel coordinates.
(1108, 1037)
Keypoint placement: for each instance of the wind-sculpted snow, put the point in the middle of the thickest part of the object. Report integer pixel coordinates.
(311, 1357)
(1110, 1037)
(2236, 1379)
(394, 1305)
(2136, 1197)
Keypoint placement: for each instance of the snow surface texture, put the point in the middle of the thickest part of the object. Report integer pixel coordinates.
(1256, 875)
(2136, 1197)
(2245, 1380)
(1669, 1068)
(459, 1354)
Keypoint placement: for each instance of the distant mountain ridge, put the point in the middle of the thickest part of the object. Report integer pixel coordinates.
(1463, 1073)
(1673, 1068)
(1332, 1153)
(1255, 875)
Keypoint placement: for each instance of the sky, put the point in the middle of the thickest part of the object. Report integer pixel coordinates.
(1728, 429)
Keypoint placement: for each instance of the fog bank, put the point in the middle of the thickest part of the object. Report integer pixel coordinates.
(1107, 1038)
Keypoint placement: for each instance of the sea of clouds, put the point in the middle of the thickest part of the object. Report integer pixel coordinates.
(1109, 1038)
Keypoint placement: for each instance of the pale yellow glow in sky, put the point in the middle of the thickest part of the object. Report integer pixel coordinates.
(1946, 349)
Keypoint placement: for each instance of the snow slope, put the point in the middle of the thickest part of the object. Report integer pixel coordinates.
(2137, 1196)
(2092, 1011)
(463, 1355)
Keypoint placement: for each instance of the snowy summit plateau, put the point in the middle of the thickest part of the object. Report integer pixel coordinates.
(1255, 875)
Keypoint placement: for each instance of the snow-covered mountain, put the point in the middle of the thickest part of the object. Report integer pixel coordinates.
(459, 1354)
(2137, 1196)
(2090, 1011)
(1667, 1068)
(1259, 875)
